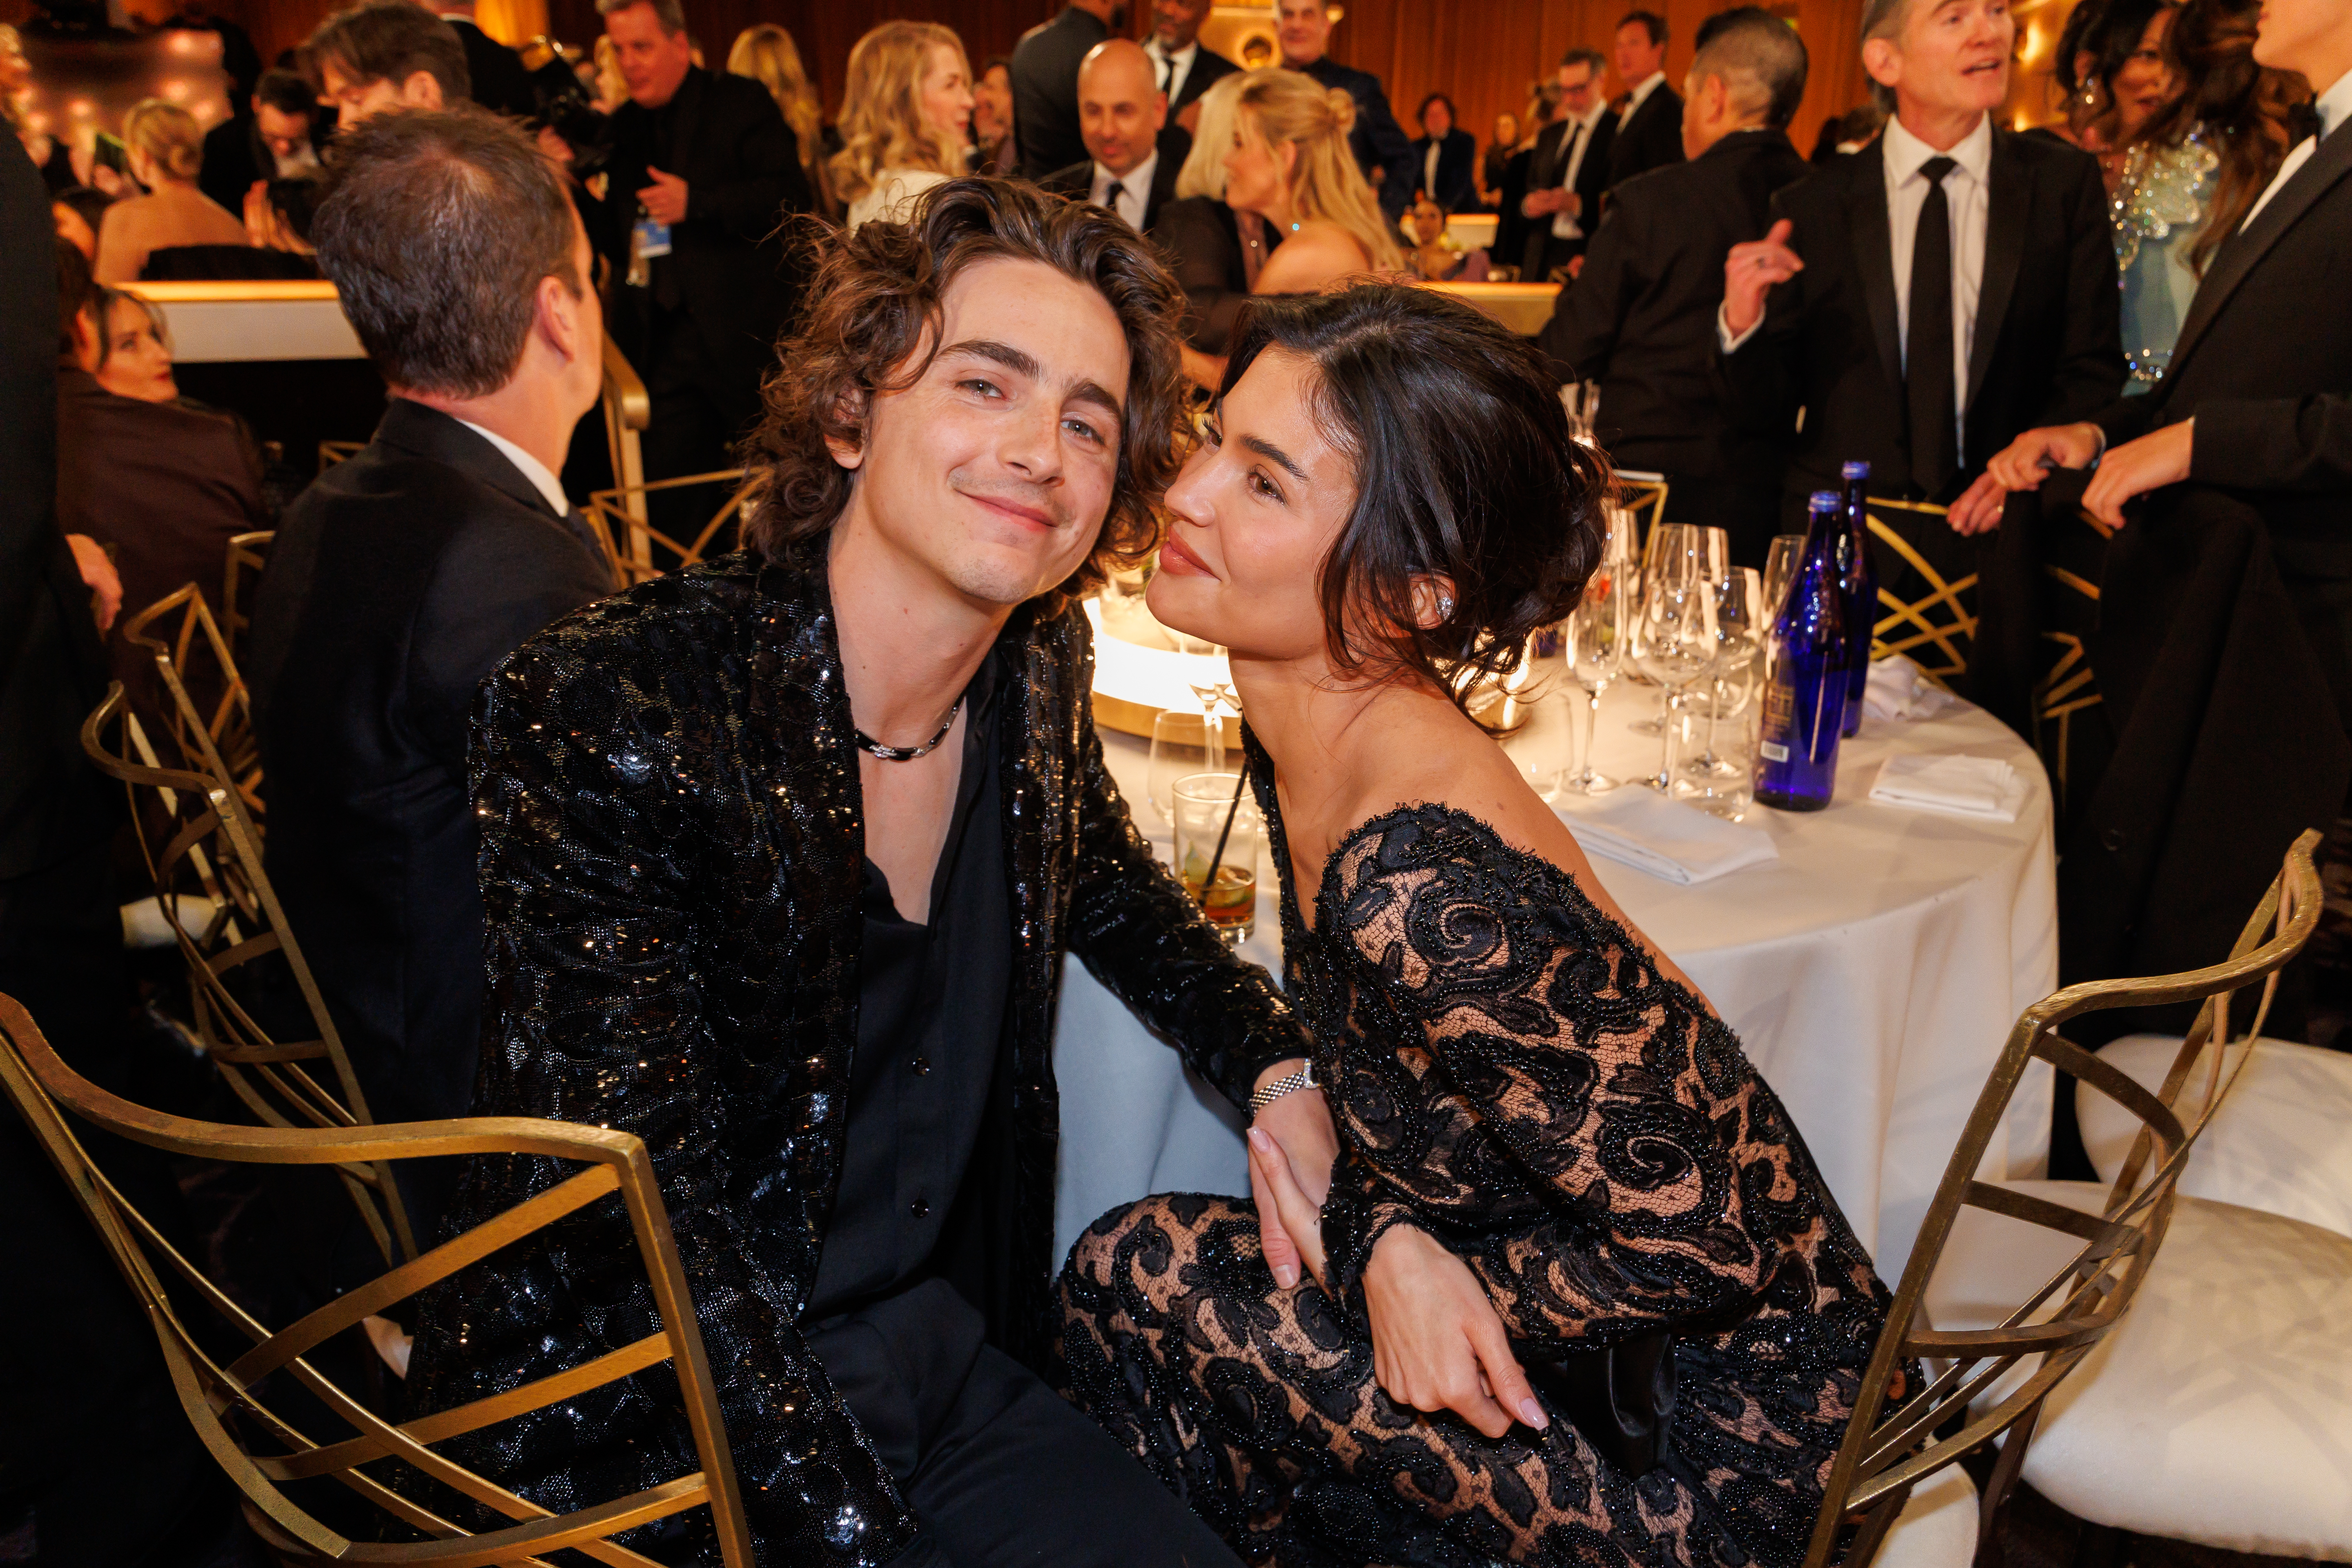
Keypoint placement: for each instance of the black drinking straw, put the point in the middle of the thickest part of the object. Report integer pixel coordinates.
(1216, 859)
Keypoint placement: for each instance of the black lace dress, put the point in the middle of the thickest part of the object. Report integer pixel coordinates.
(1511, 1074)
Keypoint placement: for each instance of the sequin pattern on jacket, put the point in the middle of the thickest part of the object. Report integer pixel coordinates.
(671, 844)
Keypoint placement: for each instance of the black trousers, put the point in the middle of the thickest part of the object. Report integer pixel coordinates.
(696, 418)
(999, 1469)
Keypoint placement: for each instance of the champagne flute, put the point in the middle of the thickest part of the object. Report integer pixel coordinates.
(1679, 648)
(1593, 648)
(1738, 631)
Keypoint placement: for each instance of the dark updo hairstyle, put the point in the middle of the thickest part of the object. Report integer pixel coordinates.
(1465, 468)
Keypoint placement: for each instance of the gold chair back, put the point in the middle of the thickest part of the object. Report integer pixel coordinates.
(1936, 628)
(2011, 1369)
(244, 1411)
(248, 553)
(205, 859)
(1641, 493)
(192, 658)
(333, 452)
(636, 550)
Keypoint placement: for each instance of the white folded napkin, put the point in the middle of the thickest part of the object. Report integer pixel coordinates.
(1897, 690)
(1964, 786)
(1637, 826)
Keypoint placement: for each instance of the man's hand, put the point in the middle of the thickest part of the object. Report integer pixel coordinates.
(1539, 204)
(1294, 1140)
(2021, 466)
(665, 199)
(1752, 270)
(555, 148)
(97, 576)
(2157, 459)
(1437, 1342)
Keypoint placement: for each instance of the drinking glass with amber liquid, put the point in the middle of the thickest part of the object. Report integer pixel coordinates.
(1217, 830)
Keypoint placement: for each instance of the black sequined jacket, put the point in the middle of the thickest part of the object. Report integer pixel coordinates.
(671, 848)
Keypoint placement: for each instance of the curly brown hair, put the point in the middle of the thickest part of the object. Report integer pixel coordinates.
(872, 323)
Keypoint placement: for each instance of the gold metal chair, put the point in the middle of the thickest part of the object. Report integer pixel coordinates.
(243, 1418)
(333, 452)
(1991, 1384)
(1938, 627)
(193, 657)
(635, 550)
(1638, 492)
(248, 553)
(204, 857)
(628, 413)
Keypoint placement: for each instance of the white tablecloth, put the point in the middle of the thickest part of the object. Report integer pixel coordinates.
(1873, 973)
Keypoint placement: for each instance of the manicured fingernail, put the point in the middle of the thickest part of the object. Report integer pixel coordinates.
(1286, 1276)
(1532, 1414)
(1259, 1141)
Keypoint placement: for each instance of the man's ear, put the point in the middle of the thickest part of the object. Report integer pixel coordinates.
(556, 313)
(1883, 58)
(851, 411)
(85, 339)
(421, 90)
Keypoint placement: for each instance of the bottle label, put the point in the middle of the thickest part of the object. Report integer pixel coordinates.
(1773, 750)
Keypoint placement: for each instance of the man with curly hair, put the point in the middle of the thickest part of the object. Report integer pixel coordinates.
(781, 854)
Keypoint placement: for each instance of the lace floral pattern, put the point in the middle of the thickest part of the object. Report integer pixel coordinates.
(1510, 1073)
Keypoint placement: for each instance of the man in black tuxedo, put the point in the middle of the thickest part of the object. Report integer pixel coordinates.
(1124, 117)
(1904, 319)
(1045, 83)
(1649, 118)
(1640, 318)
(1444, 157)
(401, 577)
(1186, 68)
(274, 140)
(500, 84)
(1568, 171)
(1303, 27)
(703, 173)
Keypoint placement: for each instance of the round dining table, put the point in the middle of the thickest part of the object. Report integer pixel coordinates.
(1872, 972)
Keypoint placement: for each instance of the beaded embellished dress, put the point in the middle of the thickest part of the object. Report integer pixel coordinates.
(1511, 1074)
(2159, 211)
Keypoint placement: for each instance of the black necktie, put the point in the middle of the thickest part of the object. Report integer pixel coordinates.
(1167, 73)
(1927, 362)
(1111, 198)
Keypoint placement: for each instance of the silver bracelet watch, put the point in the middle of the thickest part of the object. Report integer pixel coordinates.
(1290, 1084)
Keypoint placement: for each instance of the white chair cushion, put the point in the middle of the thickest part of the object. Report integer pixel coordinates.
(1937, 1527)
(2279, 1144)
(2219, 1411)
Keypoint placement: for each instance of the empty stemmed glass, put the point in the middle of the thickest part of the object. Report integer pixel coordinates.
(1678, 647)
(1592, 645)
(1214, 692)
(1673, 549)
(1739, 632)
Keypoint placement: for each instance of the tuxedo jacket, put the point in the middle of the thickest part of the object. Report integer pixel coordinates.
(1649, 138)
(1077, 181)
(2048, 345)
(1045, 74)
(398, 580)
(1457, 170)
(1208, 68)
(500, 84)
(1640, 319)
(1540, 250)
(2263, 365)
(727, 265)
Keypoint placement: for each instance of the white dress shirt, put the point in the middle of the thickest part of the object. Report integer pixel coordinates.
(1967, 195)
(1134, 193)
(1429, 167)
(2333, 106)
(550, 490)
(1175, 66)
(1565, 224)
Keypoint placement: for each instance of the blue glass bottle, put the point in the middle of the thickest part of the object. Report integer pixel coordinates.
(1859, 577)
(1805, 673)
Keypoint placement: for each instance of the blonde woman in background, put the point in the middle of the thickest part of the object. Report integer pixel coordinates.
(166, 149)
(905, 118)
(766, 53)
(1215, 250)
(1289, 162)
(612, 87)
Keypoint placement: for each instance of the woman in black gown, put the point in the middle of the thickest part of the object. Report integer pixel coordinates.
(1577, 1292)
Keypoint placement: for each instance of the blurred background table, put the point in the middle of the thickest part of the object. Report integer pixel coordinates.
(1872, 972)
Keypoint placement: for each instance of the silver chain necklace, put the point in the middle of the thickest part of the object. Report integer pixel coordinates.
(908, 753)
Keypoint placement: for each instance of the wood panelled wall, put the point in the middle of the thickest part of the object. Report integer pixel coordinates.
(1481, 53)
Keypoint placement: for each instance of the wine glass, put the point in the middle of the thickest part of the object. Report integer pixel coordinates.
(1676, 550)
(1593, 649)
(1739, 632)
(1679, 646)
(1212, 688)
(1780, 570)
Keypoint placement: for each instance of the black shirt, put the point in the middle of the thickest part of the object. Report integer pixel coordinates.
(930, 1018)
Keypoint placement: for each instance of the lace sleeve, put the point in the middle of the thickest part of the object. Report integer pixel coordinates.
(1615, 1162)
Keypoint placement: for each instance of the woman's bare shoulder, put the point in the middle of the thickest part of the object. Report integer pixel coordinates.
(1319, 254)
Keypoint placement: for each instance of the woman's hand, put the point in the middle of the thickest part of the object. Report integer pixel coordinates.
(1292, 1139)
(97, 576)
(1437, 1342)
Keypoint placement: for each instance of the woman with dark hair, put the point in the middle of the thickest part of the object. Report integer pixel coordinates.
(1447, 157)
(2116, 73)
(2192, 171)
(1557, 1169)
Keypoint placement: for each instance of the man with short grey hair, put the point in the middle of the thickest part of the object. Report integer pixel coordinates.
(1569, 169)
(402, 576)
(1640, 317)
(1904, 317)
(1123, 117)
